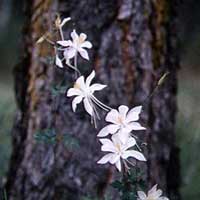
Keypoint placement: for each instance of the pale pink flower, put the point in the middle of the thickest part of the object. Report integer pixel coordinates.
(153, 194)
(122, 122)
(119, 151)
(78, 44)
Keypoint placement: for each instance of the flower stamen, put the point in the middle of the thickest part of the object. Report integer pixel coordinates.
(77, 86)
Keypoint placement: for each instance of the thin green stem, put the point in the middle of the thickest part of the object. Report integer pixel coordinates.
(74, 68)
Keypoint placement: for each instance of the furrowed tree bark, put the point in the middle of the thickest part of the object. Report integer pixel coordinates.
(134, 45)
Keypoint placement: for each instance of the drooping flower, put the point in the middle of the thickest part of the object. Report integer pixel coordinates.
(153, 194)
(83, 90)
(75, 46)
(60, 23)
(122, 122)
(119, 151)
(64, 21)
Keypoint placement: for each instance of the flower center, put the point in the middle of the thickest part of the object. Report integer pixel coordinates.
(150, 198)
(81, 40)
(118, 147)
(77, 86)
(120, 120)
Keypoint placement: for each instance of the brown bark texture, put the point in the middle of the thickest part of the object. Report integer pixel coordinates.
(134, 44)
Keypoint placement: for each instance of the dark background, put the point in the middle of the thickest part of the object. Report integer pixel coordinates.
(188, 126)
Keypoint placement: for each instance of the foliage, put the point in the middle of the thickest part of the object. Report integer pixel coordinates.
(130, 183)
(57, 90)
(51, 137)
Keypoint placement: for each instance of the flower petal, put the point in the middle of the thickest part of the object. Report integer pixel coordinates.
(130, 143)
(64, 21)
(83, 37)
(111, 128)
(76, 101)
(59, 62)
(97, 87)
(73, 92)
(86, 44)
(74, 36)
(107, 145)
(105, 159)
(118, 165)
(163, 198)
(83, 53)
(152, 190)
(81, 82)
(141, 195)
(112, 116)
(123, 136)
(154, 193)
(135, 154)
(115, 158)
(90, 78)
(135, 126)
(106, 141)
(157, 194)
(116, 141)
(123, 111)
(69, 53)
(109, 148)
(65, 43)
(133, 114)
(88, 107)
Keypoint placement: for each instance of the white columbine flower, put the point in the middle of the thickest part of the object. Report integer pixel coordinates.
(119, 151)
(75, 46)
(123, 122)
(153, 194)
(83, 90)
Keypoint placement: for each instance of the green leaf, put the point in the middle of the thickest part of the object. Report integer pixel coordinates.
(49, 136)
(70, 141)
(117, 185)
(56, 90)
(46, 136)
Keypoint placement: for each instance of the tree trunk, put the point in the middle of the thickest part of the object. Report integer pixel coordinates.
(134, 45)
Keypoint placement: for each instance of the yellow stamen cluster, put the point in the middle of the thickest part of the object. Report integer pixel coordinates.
(81, 40)
(77, 86)
(118, 147)
(120, 120)
(149, 198)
